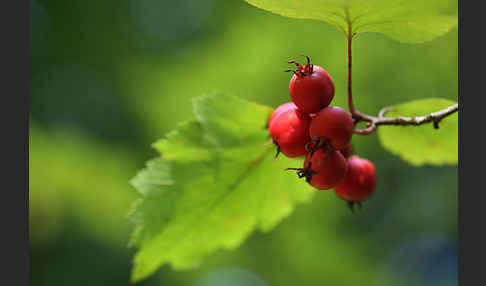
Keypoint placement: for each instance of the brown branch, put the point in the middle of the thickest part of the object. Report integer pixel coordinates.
(372, 121)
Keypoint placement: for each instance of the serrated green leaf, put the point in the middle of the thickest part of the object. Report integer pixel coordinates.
(422, 144)
(151, 213)
(412, 21)
(185, 143)
(231, 122)
(222, 189)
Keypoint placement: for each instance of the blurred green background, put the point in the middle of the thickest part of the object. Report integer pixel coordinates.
(108, 78)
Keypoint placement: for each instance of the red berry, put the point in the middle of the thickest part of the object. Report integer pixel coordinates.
(359, 182)
(333, 125)
(290, 132)
(279, 110)
(311, 88)
(324, 169)
(347, 151)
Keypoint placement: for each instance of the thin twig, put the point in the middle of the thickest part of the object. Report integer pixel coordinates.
(355, 113)
(384, 110)
(434, 117)
(372, 121)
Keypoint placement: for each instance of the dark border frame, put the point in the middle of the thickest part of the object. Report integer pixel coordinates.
(472, 238)
(14, 23)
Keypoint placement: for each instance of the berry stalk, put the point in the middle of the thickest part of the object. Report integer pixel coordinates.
(374, 121)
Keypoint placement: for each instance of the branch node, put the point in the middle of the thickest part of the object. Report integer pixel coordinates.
(356, 119)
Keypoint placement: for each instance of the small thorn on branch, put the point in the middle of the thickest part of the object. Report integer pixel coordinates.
(436, 124)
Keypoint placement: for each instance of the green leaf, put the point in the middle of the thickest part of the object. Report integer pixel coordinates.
(422, 144)
(215, 183)
(412, 21)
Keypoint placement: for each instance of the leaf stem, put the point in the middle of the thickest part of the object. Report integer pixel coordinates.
(372, 121)
(355, 113)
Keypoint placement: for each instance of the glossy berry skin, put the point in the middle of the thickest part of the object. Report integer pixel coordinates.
(312, 90)
(334, 125)
(359, 182)
(290, 131)
(279, 110)
(325, 169)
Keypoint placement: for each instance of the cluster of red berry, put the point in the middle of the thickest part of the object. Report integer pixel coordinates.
(309, 127)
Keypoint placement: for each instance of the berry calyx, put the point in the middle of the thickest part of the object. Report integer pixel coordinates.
(279, 110)
(311, 87)
(323, 169)
(333, 125)
(359, 182)
(290, 132)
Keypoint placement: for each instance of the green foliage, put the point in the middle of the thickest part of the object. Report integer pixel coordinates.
(78, 187)
(412, 21)
(215, 183)
(423, 144)
(67, 188)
